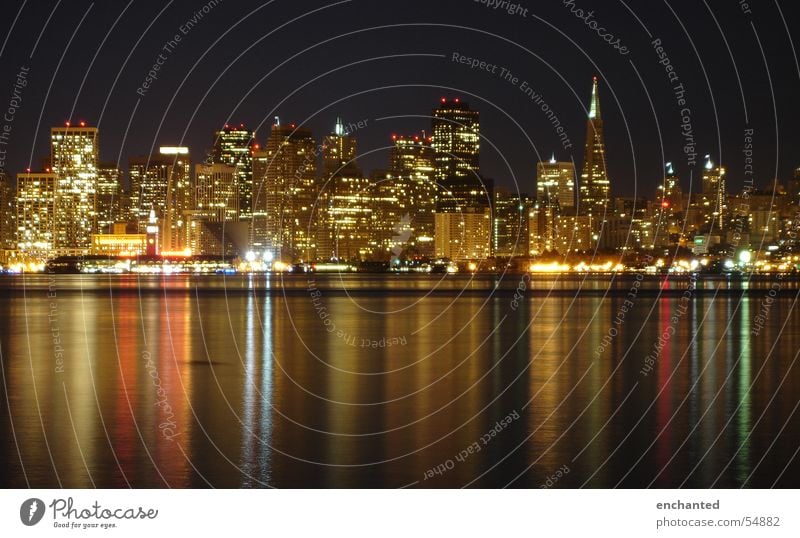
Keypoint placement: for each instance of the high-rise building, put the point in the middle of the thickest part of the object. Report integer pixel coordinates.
(109, 197)
(510, 223)
(234, 146)
(714, 191)
(73, 158)
(285, 194)
(464, 236)
(345, 201)
(456, 140)
(36, 213)
(555, 182)
(405, 199)
(216, 192)
(595, 187)
(7, 213)
(162, 183)
(793, 187)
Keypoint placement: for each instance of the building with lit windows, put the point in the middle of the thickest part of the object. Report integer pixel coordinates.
(595, 186)
(464, 236)
(714, 193)
(110, 203)
(214, 223)
(344, 202)
(555, 183)
(6, 214)
(285, 194)
(36, 214)
(74, 159)
(456, 140)
(162, 183)
(510, 223)
(234, 146)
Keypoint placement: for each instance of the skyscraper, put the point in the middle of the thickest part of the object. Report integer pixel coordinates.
(555, 182)
(510, 223)
(595, 186)
(162, 182)
(456, 140)
(109, 197)
(345, 201)
(73, 158)
(234, 146)
(405, 199)
(714, 192)
(216, 188)
(36, 213)
(6, 213)
(284, 194)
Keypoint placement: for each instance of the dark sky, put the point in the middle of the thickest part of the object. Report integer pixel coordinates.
(311, 60)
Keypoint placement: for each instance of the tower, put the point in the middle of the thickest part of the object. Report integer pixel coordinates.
(456, 140)
(714, 194)
(234, 146)
(73, 159)
(152, 234)
(555, 182)
(595, 187)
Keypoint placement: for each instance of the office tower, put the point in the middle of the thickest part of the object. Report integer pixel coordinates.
(510, 223)
(216, 192)
(6, 214)
(595, 186)
(555, 183)
(285, 195)
(36, 213)
(109, 197)
(542, 228)
(793, 187)
(345, 201)
(464, 236)
(73, 159)
(405, 199)
(214, 223)
(162, 183)
(714, 195)
(234, 146)
(456, 140)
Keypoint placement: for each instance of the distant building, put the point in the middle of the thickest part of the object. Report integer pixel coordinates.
(345, 201)
(555, 182)
(714, 194)
(36, 213)
(110, 201)
(7, 214)
(510, 223)
(464, 236)
(456, 140)
(595, 186)
(234, 146)
(162, 183)
(285, 194)
(73, 159)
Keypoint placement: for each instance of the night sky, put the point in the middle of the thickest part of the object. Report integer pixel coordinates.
(389, 63)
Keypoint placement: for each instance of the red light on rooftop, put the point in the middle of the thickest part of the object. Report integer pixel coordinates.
(28, 170)
(394, 137)
(444, 100)
(594, 78)
(664, 204)
(457, 100)
(83, 124)
(66, 123)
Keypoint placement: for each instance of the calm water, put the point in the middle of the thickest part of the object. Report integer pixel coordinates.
(372, 381)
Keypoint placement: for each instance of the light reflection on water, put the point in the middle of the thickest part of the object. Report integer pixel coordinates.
(261, 391)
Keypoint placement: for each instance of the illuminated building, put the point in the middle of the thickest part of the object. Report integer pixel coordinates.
(714, 196)
(595, 187)
(464, 236)
(151, 233)
(214, 223)
(216, 191)
(284, 194)
(122, 244)
(234, 147)
(345, 201)
(555, 183)
(109, 197)
(510, 223)
(404, 198)
(542, 228)
(456, 140)
(6, 214)
(36, 213)
(162, 183)
(573, 233)
(73, 159)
